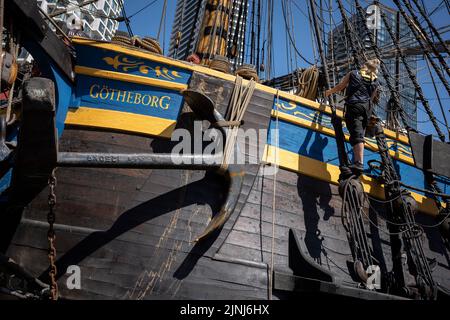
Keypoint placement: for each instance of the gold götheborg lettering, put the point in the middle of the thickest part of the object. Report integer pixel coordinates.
(105, 93)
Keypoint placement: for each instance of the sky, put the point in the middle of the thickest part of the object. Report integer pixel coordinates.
(147, 22)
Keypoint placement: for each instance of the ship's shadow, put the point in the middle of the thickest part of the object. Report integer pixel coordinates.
(143, 213)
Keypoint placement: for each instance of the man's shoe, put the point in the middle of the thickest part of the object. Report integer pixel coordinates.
(357, 168)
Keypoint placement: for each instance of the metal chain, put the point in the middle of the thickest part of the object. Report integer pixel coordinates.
(51, 217)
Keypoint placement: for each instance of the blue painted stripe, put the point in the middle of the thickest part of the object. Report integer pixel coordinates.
(127, 97)
(306, 113)
(322, 147)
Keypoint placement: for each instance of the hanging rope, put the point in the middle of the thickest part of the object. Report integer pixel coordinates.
(126, 19)
(272, 251)
(239, 102)
(352, 220)
(15, 49)
(270, 48)
(51, 236)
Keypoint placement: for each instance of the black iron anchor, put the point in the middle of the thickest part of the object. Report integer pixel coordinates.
(204, 108)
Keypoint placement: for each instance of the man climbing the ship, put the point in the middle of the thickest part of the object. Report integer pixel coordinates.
(362, 93)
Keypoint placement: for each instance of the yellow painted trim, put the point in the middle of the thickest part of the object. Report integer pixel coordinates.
(330, 173)
(317, 127)
(129, 78)
(122, 121)
(218, 74)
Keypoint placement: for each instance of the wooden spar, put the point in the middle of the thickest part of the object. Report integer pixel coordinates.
(214, 32)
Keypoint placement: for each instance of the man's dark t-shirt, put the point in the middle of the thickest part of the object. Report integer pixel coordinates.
(359, 94)
(360, 90)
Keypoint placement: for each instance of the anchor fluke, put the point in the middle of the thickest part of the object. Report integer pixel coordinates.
(204, 108)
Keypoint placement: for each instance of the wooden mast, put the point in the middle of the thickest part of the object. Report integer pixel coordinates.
(214, 31)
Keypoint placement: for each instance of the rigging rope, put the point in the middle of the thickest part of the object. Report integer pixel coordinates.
(412, 76)
(283, 6)
(439, 99)
(422, 46)
(337, 122)
(142, 9)
(385, 71)
(126, 19)
(426, 38)
(431, 26)
(413, 246)
(258, 49)
(248, 72)
(220, 63)
(355, 53)
(270, 49)
(147, 44)
(403, 212)
(163, 21)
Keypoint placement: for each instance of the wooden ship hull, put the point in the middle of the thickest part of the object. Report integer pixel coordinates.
(132, 231)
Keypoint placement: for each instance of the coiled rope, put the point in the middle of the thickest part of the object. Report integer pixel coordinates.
(248, 72)
(308, 83)
(220, 63)
(146, 43)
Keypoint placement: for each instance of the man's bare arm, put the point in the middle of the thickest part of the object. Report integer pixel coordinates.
(375, 96)
(340, 87)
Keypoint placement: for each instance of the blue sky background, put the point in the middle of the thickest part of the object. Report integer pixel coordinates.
(147, 23)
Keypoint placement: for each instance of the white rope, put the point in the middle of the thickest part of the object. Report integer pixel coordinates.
(239, 102)
(275, 162)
